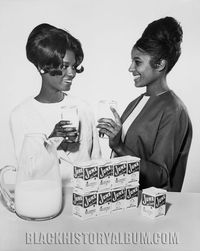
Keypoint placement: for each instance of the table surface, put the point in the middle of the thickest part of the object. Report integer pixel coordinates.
(182, 221)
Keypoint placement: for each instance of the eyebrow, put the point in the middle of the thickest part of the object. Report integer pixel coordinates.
(136, 58)
(68, 63)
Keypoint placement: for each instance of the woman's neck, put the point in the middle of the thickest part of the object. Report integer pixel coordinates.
(157, 88)
(49, 97)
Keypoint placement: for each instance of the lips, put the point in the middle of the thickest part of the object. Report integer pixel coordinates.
(136, 77)
(68, 81)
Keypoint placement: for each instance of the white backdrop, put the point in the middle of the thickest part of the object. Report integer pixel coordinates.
(107, 30)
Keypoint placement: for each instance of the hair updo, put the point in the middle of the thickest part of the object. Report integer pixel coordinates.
(162, 40)
(46, 48)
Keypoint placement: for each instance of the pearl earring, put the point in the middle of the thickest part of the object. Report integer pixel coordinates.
(42, 71)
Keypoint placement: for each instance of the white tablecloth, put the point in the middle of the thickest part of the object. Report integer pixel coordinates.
(182, 220)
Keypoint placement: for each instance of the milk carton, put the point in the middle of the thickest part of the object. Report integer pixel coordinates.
(86, 176)
(104, 202)
(84, 205)
(153, 202)
(118, 199)
(105, 176)
(119, 172)
(131, 195)
(122, 177)
(133, 169)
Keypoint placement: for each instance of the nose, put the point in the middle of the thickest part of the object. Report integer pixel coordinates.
(71, 71)
(132, 67)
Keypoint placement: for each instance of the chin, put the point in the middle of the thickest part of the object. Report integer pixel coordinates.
(66, 88)
(139, 85)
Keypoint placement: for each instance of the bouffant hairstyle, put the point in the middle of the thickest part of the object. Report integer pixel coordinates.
(46, 47)
(162, 40)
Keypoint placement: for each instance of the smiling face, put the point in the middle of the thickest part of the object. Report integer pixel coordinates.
(144, 74)
(69, 71)
(62, 82)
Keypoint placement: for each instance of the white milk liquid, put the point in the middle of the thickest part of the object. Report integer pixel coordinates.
(38, 198)
(70, 114)
(104, 109)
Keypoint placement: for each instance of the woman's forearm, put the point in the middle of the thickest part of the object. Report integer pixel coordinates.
(122, 150)
(151, 174)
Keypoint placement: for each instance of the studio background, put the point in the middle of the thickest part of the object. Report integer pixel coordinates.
(107, 30)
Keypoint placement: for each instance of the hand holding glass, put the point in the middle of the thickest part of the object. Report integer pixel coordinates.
(104, 111)
(70, 113)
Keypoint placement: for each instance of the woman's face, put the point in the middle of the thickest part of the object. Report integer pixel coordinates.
(63, 82)
(142, 71)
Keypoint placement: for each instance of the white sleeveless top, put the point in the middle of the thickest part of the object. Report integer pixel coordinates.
(133, 116)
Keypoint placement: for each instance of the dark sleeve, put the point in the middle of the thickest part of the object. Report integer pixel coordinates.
(157, 170)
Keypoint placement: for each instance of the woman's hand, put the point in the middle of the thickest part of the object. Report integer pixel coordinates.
(62, 129)
(113, 129)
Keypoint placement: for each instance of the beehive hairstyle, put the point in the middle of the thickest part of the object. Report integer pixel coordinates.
(162, 40)
(47, 45)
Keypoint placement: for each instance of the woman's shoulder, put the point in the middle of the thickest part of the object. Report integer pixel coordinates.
(23, 106)
(171, 107)
(172, 102)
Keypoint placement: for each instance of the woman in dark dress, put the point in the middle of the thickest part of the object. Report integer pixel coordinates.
(155, 126)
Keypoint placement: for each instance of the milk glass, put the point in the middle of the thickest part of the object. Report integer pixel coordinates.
(104, 111)
(70, 113)
(38, 188)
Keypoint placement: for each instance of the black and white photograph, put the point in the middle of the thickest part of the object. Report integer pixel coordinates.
(99, 139)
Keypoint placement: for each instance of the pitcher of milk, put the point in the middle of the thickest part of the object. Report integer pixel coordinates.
(38, 188)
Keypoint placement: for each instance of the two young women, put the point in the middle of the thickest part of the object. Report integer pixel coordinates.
(154, 127)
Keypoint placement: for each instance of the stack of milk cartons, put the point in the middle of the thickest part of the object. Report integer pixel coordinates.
(104, 186)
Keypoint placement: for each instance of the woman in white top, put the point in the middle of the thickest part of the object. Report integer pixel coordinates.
(56, 55)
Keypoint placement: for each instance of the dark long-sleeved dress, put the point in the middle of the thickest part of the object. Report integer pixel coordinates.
(161, 137)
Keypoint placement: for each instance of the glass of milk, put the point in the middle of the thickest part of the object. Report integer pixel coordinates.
(38, 188)
(70, 113)
(104, 111)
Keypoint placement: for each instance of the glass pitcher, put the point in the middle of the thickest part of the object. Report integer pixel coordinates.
(38, 188)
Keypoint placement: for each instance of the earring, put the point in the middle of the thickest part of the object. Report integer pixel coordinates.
(42, 71)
